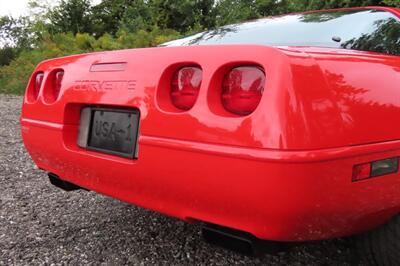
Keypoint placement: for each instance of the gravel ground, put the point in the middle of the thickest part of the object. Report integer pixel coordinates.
(40, 224)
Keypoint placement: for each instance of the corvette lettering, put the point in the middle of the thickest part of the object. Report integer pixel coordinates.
(106, 85)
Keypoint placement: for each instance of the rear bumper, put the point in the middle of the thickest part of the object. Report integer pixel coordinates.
(275, 195)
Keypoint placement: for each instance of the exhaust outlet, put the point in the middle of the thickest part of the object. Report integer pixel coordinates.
(238, 241)
(55, 180)
(228, 238)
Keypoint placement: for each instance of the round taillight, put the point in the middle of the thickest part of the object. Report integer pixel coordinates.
(52, 87)
(242, 89)
(185, 87)
(34, 88)
(57, 81)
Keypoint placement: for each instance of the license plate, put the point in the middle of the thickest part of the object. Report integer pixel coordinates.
(111, 131)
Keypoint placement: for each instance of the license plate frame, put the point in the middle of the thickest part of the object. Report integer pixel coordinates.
(110, 130)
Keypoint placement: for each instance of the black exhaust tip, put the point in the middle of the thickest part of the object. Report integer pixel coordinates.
(239, 241)
(64, 185)
(228, 238)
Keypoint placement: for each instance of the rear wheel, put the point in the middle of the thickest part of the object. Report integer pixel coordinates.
(382, 245)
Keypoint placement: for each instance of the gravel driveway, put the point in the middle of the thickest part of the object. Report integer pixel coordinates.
(40, 224)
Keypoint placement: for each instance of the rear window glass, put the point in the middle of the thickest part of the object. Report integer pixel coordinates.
(365, 30)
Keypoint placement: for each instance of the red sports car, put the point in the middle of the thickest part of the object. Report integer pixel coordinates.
(283, 128)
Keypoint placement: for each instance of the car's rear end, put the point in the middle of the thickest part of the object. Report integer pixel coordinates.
(252, 160)
(276, 142)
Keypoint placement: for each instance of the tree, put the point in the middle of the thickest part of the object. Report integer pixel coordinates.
(138, 16)
(13, 32)
(13, 38)
(71, 16)
(395, 3)
(7, 54)
(6, 27)
(107, 15)
(232, 11)
(183, 15)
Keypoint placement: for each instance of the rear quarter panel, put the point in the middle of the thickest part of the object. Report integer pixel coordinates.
(345, 97)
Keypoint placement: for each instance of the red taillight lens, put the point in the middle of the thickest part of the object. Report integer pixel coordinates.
(36, 86)
(57, 81)
(361, 171)
(52, 87)
(242, 89)
(185, 87)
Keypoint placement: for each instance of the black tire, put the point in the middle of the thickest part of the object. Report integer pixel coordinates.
(381, 246)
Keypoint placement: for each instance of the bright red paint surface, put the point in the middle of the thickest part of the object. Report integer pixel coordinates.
(284, 172)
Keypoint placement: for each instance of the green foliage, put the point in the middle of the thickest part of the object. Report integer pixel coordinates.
(106, 16)
(14, 31)
(138, 17)
(6, 29)
(71, 16)
(244, 9)
(395, 3)
(182, 15)
(7, 54)
(75, 26)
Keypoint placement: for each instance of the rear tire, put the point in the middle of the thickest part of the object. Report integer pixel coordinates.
(381, 246)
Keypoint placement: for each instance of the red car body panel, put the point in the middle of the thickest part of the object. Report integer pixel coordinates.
(283, 172)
